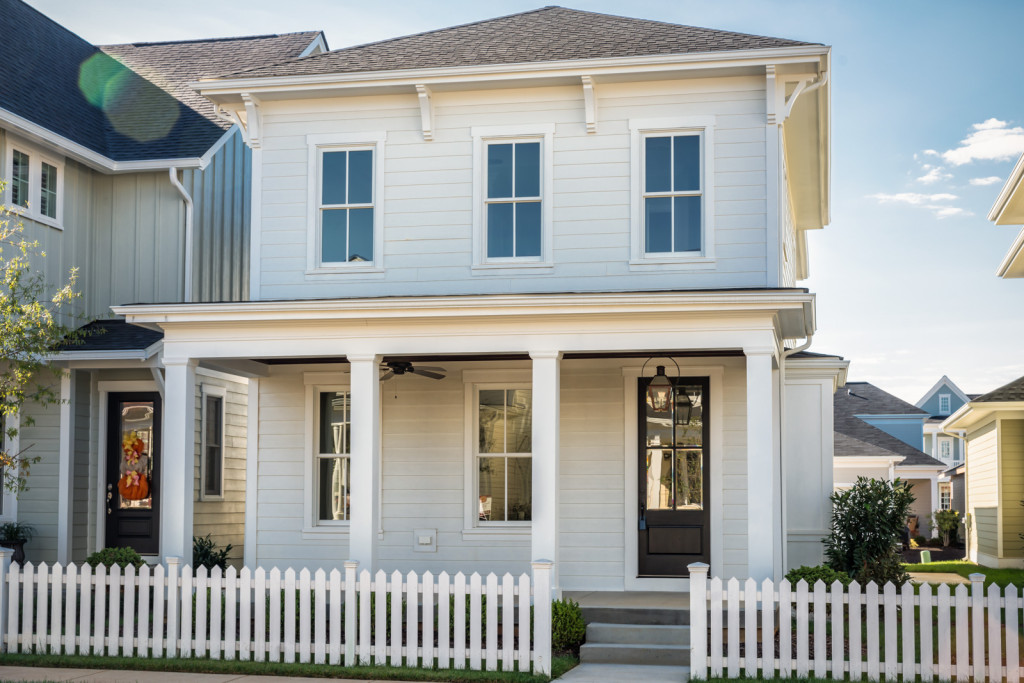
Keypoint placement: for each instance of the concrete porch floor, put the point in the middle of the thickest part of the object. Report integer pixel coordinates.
(623, 673)
(630, 599)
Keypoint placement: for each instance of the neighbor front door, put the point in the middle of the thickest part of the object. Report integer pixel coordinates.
(673, 478)
(133, 467)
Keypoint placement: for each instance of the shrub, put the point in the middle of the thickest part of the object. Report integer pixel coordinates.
(122, 557)
(918, 541)
(567, 626)
(15, 532)
(206, 553)
(947, 522)
(820, 572)
(868, 523)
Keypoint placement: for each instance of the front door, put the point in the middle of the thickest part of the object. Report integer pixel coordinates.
(673, 477)
(133, 485)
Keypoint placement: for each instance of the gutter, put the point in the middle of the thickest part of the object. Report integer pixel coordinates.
(172, 172)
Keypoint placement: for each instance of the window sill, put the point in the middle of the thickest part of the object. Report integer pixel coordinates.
(498, 533)
(332, 271)
(319, 532)
(694, 262)
(209, 498)
(504, 267)
(27, 214)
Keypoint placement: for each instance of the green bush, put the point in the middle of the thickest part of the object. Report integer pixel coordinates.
(868, 522)
(206, 553)
(15, 532)
(567, 626)
(820, 572)
(947, 522)
(122, 557)
(918, 541)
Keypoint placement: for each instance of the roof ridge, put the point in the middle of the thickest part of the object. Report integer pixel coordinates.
(222, 39)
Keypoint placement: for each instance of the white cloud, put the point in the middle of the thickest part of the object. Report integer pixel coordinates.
(991, 140)
(933, 174)
(948, 211)
(912, 198)
(930, 152)
(990, 180)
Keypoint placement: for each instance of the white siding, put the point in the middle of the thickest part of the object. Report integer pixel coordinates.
(983, 491)
(428, 203)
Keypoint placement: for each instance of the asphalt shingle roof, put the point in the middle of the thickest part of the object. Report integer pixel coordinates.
(548, 34)
(854, 437)
(1014, 391)
(126, 102)
(115, 335)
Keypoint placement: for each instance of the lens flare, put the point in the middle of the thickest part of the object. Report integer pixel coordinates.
(135, 107)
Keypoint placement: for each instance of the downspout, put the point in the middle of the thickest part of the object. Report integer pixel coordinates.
(173, 173)
(782, 443)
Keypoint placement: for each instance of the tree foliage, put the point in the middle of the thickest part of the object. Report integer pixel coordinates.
(868, 522)
(947, 522)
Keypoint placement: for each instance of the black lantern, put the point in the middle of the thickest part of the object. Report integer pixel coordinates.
(661, 392)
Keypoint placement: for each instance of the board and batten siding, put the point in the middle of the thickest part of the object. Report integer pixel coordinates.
(423, 476)
(428, 198)
(983, 492)
(1011, 480)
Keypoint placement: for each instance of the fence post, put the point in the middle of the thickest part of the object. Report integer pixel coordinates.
(351, 612)
(171, 608)
(977, 626)
(542, 617)
(698, 620)
(5, 564)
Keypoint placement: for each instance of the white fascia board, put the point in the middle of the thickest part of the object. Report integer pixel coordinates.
(918, 416)
(133, 354)
(938, 385)
(1012, 186)
(1013, 263)
(835, 369)
(561, 68)
(858, 461)
(39, 134)
(912, 469)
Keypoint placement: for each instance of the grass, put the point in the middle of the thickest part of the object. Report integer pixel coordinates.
(1000, 577)
(559, 666)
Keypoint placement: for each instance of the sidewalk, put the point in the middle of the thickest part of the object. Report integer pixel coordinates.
(32, 673)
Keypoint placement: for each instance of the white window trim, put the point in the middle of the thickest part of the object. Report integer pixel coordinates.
(482, 135)
(474, 381)
(949, 403)
(640, 129)
(222, 394)
(36, 157)
(317, 382)
(946, 441)
(316, 145)
(945, 488)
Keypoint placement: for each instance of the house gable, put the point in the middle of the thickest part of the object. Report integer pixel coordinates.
(943, 399)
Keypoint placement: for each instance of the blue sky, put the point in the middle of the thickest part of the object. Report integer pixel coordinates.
(928, 118)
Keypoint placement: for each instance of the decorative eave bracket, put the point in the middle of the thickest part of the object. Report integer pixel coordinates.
(589, 103)
(778, 105)
(426, 112)
(253, 121)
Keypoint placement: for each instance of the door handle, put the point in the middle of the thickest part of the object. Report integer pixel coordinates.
(642, 523)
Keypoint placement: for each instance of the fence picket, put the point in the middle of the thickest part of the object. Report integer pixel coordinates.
(13, 600)
(185, 643)
(978, 626)
(838, 637)
(320, 617)
(289, 615)
(891, 664)
(803, 662)
(963, 651)
(508, 625)
(159, 581)
(475, 597)
(995, 636)
(274, 588)
(27, 595)
(428, 621)
(304, 616)
(99, 624)
(70, 602)
(396, 619)
(459, 618)
(380, 626)
(56, 591)
(525, 637)
(412, 619)
(750, 628)
(364, 618)
(491, 653)
(351, 612)
(245, 614)
(128, 635)
(214, 606)
(767, 632)
(908, 658)
(230, 612)
(336, 627)
(925, 632)
(113, 613)
(945, 632)
(202, 609)
(854, 619)
(732, 601)
(871, 612)
(1012, 646)
(820, 626)
(259, 619)
(785, 629)
(444, 635)
(42, 607)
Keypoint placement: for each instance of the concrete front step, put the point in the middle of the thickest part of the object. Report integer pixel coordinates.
(636, 615)
(638, 634)
(657, 655)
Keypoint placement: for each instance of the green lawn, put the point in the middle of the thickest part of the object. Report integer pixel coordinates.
(1000, 577)
(559, 666)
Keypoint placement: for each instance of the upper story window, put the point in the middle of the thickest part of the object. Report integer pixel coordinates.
(345, 221)
(34, 184)
(944, 401)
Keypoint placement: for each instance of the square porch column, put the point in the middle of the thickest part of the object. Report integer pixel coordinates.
(546, 399)
(762, 481)
(177, 462)
(365, 458)
(65, 472)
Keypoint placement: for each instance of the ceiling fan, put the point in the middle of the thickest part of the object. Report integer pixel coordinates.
(401, 367)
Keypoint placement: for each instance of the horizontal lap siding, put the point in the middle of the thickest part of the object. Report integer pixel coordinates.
(1011, 477)
(82, 530)
(428, 202)
(983, 490)
(37, 506)
(734, 468)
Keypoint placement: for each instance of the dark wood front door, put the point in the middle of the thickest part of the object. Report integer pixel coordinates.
(673, 477)
(133, 471)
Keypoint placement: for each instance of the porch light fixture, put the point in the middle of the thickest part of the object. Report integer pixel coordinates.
(660, 391)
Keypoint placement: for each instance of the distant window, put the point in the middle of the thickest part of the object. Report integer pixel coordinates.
(944, 400)
(673, 193)
(945, 496)
(945, 449)
(513, 202)
(34, 184)
(212, 464)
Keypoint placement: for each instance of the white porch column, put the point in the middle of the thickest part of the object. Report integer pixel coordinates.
(65, 472)
(546, 399)
(177, 461)
(365, 454)
(761, 479)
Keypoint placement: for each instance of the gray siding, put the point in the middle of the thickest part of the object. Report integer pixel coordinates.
(83, 534)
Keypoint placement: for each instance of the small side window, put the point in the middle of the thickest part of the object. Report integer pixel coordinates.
(20, 175)
(212, 447)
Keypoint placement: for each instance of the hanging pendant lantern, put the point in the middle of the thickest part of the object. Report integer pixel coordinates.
(660, 391)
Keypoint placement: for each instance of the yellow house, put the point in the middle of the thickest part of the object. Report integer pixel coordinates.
(993, 425)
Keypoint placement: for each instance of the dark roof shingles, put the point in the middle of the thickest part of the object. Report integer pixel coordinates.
(1014, 391)
(114, 335)
(855, 437)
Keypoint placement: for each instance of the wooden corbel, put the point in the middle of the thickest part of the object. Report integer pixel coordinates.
(589, 104)
(426, 112)
(253, 121)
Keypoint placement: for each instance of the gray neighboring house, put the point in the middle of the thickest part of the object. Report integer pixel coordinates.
(879, 436)
(120, 169)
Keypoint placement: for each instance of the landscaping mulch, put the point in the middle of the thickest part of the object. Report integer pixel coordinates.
(938, 554)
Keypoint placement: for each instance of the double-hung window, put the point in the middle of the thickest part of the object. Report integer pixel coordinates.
(945, 496)
(34, 183)
(332, 466)
(212, 453)
(502, 461)
(945, 449)
(513, 202)
(673, 193)
(944, 403)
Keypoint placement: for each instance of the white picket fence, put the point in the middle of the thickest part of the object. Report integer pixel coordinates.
(778, 631)
(350, 617)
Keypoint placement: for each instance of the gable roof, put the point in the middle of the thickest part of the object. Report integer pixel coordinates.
(864, 398)
(124, 102)
(853, 437)
(548, 34)
(944, 380)
(114, 335)
(1014, 391)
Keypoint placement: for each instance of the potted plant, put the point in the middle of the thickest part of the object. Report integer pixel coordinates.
(14, 535)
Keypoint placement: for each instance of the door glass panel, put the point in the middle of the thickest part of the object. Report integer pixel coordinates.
(659, 479)
(136, 462)
(689, 480)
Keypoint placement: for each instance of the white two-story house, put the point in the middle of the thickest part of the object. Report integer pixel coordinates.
(524, 289)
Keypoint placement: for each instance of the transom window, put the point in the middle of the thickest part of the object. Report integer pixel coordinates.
(346, 206)
(513, 202)
(332, 466)
(672, 193)
(503, 458)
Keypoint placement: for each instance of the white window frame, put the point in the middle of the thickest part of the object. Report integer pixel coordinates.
(474, 381)
(640, 130)
(946, 489)
(316, 146)
(316, 383)
(944, 443)
(482, 137)
(948, 398)
(209, 390)
(36, 158)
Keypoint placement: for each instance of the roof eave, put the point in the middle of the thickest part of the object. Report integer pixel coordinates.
(1013, 186)
(1012, 265)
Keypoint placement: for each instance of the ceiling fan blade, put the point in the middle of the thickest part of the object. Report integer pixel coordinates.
(427, 373)
(431, 368)
(387, 375)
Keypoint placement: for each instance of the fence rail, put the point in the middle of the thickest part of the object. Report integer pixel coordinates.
(771, 630)
(349, 617)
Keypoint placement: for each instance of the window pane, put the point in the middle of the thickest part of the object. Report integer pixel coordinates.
(333, 489)
(659, 479)
(492, 420)
(332, 235)
(499, 230)
(527, 229)
(499, 170)
(658, 223)
(687, 223)
(360, 177)
(491, 489)
(689, 480)
(333, 177)
(528, 169)
(520, 487)
(657, 164)
(214, 464)
(519, 412)
(335, 420)
(360, 234)
(689, 416)
(19, 179)
(687, 163)
(48, 191)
